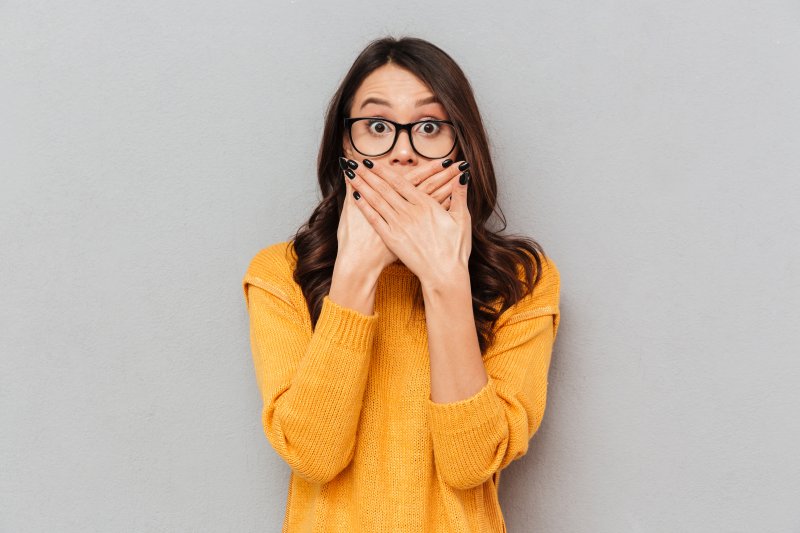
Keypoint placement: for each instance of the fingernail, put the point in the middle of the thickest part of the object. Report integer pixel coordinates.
(464, 178)
(350, 173)
(356, 195)
(342, 163)
(447, 162)
(463, 166)
(352, 164)
(368, 163)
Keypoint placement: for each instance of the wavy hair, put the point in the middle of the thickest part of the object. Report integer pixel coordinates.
(496, 260)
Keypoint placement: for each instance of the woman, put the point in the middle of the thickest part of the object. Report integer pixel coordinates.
(400, 346)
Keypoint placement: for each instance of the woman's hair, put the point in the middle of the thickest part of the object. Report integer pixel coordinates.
(494, 259)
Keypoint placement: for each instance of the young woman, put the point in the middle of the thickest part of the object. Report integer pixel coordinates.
(401, 347)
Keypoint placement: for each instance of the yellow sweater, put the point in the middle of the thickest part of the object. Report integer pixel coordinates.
(348, 406)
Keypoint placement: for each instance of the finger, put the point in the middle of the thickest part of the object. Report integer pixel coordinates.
(348, 191)
(442, 178)
(424, 171)
(349, 186)
(443, 192)
(459, 205)
(414, 177)
(382, 200)
(395, 191)
(401, 183)
(371, 214)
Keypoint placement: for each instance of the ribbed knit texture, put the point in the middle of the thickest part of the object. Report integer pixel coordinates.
(348, 405)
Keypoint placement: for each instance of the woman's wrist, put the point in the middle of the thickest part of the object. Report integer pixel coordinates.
(354, 288)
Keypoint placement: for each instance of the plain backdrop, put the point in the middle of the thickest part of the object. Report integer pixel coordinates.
(150, 149)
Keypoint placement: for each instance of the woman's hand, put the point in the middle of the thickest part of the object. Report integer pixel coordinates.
(435, 243)
(360, 247)
(359, 243)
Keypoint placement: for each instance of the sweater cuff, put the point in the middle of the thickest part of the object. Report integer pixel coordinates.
(346, 327)
(475, 414)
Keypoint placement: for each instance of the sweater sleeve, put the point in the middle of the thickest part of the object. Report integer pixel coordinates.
(478, 436)
(312, 384)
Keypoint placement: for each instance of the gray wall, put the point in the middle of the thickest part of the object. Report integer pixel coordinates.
(149, 151)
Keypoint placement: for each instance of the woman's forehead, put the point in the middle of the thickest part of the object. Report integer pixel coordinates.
(394, 87)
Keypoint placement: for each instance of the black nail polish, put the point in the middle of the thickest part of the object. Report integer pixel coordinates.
(356, 195)
(463, 166)
(352, 164)
(464, 178)
(447, 162)
(342, 163)
(368, 163)
(350, 173)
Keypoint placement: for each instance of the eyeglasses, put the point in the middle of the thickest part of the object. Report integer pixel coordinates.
(375, 136)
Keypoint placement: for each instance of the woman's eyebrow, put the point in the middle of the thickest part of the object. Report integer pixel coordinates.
(379, 101)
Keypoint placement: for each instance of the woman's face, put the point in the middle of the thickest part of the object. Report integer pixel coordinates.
(396, 94)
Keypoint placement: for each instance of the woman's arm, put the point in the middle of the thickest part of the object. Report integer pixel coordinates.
(457, 370)
(312, 386)
(483, 411)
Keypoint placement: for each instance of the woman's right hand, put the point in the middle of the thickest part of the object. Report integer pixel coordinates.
(359, 243)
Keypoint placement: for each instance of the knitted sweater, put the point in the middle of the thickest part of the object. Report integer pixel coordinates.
(348, 405)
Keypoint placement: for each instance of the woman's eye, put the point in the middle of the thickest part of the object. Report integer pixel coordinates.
(428, 128)
(378, 126)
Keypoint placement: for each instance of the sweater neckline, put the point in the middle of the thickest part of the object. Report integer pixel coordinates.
(398, 269)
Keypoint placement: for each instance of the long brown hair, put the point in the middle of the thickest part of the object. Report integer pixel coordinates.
(495, 260)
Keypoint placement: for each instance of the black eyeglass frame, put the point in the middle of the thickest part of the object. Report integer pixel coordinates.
(348, 123)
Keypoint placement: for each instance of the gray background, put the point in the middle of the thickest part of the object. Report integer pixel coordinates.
(150, 149)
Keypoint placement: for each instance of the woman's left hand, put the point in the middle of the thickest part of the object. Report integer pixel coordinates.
(433, 242)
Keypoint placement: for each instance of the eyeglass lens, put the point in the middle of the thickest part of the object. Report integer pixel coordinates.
(430, 139)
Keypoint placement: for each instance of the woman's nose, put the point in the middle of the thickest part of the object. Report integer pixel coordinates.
(402, 152)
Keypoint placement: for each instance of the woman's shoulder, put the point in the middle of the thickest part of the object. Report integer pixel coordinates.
(272, 269)
(549, 283)
(273, 259)
(545, 296)
(549, 279)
